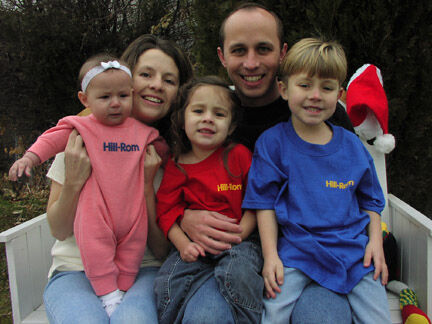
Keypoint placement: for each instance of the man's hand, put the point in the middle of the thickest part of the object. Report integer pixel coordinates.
(213, 231)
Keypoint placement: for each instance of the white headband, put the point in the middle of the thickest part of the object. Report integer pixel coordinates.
(102, 68)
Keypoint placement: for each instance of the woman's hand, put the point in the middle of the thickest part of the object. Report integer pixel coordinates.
(77, 162)
(63, 198)
(152, 163)
(213, 231)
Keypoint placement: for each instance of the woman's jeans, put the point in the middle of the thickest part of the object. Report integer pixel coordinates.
(237, 272)
(69, 298)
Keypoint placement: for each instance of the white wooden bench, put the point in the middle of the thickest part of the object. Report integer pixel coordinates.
(28, 247)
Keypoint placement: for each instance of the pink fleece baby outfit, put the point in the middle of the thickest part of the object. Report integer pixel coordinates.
(111, 218)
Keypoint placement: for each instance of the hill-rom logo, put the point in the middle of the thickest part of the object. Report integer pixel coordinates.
(120, 147)
(339, 185)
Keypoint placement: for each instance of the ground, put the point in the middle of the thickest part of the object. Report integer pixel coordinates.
(18, 203)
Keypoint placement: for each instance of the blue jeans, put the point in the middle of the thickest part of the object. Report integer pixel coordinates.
(236, 272)
(315, 305)
(367, 299)
(69, 298)
(208, 306)
(321, 305)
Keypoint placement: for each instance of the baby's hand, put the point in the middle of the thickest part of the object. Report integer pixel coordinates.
(191, 252)
(374, 251)
(23, 165)
(273, 275)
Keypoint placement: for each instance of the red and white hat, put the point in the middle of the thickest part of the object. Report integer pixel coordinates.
(367, 107)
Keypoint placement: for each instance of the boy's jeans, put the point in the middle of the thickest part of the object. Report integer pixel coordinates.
(368, 299)
(237, 273)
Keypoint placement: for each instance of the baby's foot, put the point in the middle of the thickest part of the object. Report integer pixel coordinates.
(111, 301)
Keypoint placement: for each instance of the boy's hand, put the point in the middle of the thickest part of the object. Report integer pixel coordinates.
(273, 275)
(191, 252)
(23, 165)
(374, 251)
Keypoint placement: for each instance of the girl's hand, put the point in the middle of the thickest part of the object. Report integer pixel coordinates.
(77, 162)
(273, 275)
(374, 251)
(23, 166)
(191, 252)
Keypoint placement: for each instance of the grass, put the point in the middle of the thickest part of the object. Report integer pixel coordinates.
(18, 203)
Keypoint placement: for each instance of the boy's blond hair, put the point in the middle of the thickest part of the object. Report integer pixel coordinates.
(314, 56)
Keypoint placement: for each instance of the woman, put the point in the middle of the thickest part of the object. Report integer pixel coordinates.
(158, 67)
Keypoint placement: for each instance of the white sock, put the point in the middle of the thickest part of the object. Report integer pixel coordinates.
(111, 300)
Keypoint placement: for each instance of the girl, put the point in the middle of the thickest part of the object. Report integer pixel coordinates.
(207, 172)
(158, 68)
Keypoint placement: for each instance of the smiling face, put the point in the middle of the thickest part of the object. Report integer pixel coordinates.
(311, 99)
(208, 119)
(109, 96)
(252, 53)
(155, 82)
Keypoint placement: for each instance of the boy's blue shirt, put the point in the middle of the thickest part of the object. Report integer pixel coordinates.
(319, 194)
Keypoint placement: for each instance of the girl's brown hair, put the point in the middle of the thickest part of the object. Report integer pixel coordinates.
(180, 143)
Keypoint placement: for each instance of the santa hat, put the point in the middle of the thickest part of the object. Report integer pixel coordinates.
(367, 107)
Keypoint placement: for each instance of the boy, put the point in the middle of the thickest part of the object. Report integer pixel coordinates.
(317, 185)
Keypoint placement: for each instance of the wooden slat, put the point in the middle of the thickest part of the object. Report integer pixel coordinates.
(413, 233)
(395, 312)
(28, 251)
(37, 317)
(38, 274)
(21, 229)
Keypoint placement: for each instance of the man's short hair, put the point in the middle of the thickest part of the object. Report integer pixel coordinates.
(249, 6)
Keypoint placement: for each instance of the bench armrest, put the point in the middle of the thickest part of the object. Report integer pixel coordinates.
(28, 252)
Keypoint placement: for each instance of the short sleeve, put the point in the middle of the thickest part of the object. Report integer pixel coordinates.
(170, 201)
(369, 192)
(57, 170)
(265, 176)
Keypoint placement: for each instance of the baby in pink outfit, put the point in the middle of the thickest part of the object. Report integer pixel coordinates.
(111, 218)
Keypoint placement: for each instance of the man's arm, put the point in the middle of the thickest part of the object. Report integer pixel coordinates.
(213, 231)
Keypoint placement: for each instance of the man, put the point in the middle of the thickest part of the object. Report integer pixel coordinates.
(251, 49)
